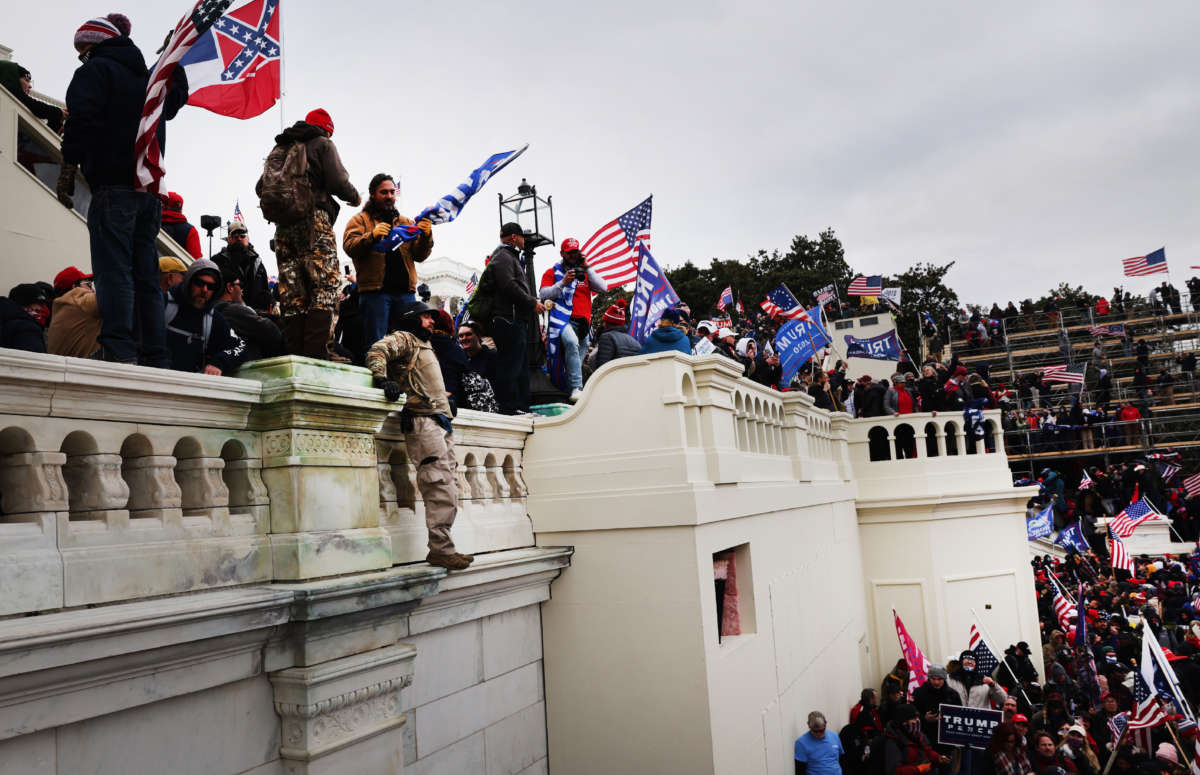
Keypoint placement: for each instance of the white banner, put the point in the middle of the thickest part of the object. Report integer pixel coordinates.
(703, 347)
(892, 295)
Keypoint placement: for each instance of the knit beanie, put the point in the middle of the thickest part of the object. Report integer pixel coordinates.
(100, 29)
(320, 118)
(613, 316)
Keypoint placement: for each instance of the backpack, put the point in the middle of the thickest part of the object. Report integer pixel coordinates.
(169, 313)
(287, 193)
(482, 303)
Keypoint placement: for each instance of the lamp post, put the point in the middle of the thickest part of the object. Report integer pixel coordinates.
(535, 215)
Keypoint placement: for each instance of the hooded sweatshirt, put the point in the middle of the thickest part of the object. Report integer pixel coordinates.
(666, 338)
(185, 327)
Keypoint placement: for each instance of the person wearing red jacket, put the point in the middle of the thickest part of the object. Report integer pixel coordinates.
(175, 223)
(906, 750)
(573, 282)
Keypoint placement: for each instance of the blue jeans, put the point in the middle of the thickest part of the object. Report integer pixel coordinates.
(573, 350)
(512, 365)
(374, 307)
(122, 226)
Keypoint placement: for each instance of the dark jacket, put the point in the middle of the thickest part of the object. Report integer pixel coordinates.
(927, 699)
(185, 331)
(614, 343)
(19, 330)
(453, 362)
(483, 363)
(665, 339)
(902, 754)
(10, 79)
(247, 268)
(104, 106)
(262, 337)
(872, 400)
(513, 298)
(821, 396)
(325, 170)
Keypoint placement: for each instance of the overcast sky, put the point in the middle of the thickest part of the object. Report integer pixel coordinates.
(1031, 145)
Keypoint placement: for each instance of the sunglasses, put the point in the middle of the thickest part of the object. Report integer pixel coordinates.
(204, 284)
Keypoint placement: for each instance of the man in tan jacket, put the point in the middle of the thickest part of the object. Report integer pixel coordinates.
(403, 362)
(75, 321)
(386, 281)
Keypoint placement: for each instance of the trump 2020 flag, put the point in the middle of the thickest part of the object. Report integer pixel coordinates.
(918, 665)
(797, 341)
(448, 207)
(234, 68)
(1072, 538)
(1041, 524)
(885, 347)
(651, 296)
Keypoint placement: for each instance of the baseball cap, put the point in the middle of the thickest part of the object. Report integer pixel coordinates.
(724, 332)
(706, 324)
(511, 229)
(238, 226)
(68, 277)
(570, 243)
(171, 264)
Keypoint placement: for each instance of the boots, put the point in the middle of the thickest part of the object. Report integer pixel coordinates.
(318, 336)
(293, 334)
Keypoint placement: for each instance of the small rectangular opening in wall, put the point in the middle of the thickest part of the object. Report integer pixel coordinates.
(868, 321)
(840, 324)
(733, 592)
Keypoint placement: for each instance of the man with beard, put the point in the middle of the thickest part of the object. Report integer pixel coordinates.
(906, 751)
(929, 697)
(385, 279)
(403, 362)
(198, 337)
(239, 261)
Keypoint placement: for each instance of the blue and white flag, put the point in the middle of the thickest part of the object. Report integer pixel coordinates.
(1041, 525)
(651, 296)
(885, 347)
(795, 342)
(448, 207)
(560, 318)
(1072, 537)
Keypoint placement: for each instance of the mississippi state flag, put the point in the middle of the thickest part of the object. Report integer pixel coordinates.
(234, 68)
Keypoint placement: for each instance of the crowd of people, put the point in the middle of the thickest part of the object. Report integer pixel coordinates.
(1073, 716)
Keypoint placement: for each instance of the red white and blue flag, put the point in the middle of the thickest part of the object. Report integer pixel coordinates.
(866, 286)
(1121, 559)
(1192, 485)
(237, 212)
(234, 68)
(1151, 263)
(780, 301)
(470, 289)
(1085, 482)
(918, 665)
(986, 660)
(1133, 515)
(726, 298)
(614, 251)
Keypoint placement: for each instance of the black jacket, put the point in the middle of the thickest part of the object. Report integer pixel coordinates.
(10, 79)
(262, 337)
(185, 331)
(483, 363)
(453, 362)
(104, 108)
(248, 269)
(513, 298)
(18, 329)
(614, 343)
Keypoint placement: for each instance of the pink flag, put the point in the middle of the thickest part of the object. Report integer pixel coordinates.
(918, 665)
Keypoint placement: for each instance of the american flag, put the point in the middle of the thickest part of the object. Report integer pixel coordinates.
(1192, 485)
(1072, 374)
(1062, 609)
(918, 665)
(1147, 712)
(726, 298)
(1117, 725)
(1134, 514)
(613, 250)
(1085, 482)
(148, 167)
(1121, 560)
(1143, 265)
(986, 661)
(471, 285)
(1112, 329)
(866, 286)
(237, 212)
(1167, 470)
(780, 301)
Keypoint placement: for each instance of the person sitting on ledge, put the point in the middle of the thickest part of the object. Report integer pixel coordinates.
(198, 337)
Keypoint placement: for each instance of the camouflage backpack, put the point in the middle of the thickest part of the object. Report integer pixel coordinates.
(287, 194)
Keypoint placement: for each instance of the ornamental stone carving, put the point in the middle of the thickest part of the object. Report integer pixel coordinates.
(94, 483)
(32, 482)
(152, 484)
(201, 483)
(326, 446)
(244, 480)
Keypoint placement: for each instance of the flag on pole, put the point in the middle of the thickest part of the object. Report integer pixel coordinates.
(651, 296)
(918, 665)
(986, 660)
(1146, 710)
(237, 212)
(1062, 609)
(1121, 559)
(613, 250)
(1072, 537)
(234, 68)
(1152, 263)
(1085, 482)
(866, 286)
(1133, 515)
(726, 298)
(1192, 485)
(780, 301)
(1167, 470)
(471, 284)
(1111, 329)
(1062, 373)
(740, 309)
(148, 169)
(448, 207)
(1117, 725)
(1040, 525)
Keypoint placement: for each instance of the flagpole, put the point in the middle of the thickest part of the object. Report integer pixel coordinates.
(1183, 751)
(282, 72)
(987, 640)
(1168, 671)
(1112, 757)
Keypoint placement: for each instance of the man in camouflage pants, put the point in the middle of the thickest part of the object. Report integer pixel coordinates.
(306, 251)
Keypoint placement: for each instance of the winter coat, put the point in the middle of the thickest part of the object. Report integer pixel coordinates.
(930, 391)
(453, 362)
(10, 79)
(974, 692)
(927, 699)
(614, 343)
(872, 400)
(104, 107)
(371, 267)
(665, 339)
(483, 363)
(247, 268)
(74, 324)
(411, 363)
(19, 330)
(262, 337)
(325, 170)
(177, 228)
(185, 331)
(514, 300)
(898, 401)
(904, 755)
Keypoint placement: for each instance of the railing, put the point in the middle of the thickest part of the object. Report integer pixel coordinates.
(1180, 431)
(194, 482)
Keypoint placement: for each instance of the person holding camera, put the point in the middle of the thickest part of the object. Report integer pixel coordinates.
(571, 283)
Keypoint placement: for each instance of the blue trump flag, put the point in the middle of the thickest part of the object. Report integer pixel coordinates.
(795, 342)
(1072, 538)
(1040, 525)
(651, 296)
(448, 207)
(885, 347)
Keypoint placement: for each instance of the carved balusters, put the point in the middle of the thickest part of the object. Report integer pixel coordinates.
(497, 480)
(32, 482)
(153, 491)
(202, 484)
(94, 485)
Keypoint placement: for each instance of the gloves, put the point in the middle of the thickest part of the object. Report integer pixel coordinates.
(66, 185)
(381, 231)
(391, 391)
(426, 227)
(923, 768)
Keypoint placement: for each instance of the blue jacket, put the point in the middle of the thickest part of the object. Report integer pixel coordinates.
(104, 108)
(666, 338)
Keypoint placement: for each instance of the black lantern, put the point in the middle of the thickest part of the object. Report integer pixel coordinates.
(534, 214)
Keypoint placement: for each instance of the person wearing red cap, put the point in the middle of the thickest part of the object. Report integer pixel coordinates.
(306, 249)
(104, 108)
(75, 321)
(176, 225)
(571, 283)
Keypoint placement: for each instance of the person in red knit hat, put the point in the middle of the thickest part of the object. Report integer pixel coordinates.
(613, 341)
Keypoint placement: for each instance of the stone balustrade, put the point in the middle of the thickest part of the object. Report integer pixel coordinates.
(121, 482)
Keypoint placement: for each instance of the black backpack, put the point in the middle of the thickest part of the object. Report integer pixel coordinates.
(481, 305)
